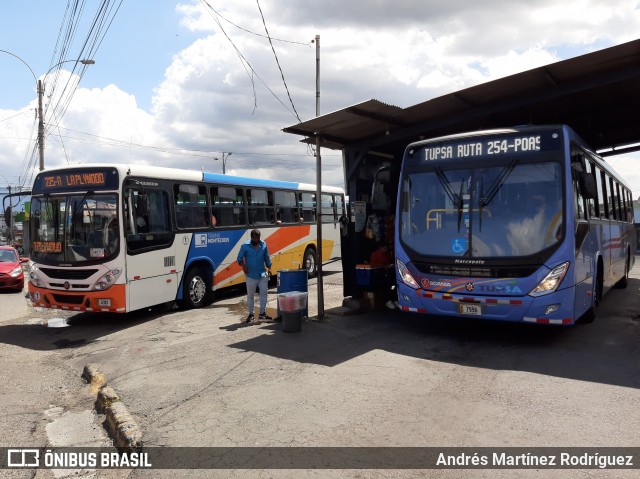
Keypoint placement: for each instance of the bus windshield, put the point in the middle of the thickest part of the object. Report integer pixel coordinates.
(79, 228)
(509, 208)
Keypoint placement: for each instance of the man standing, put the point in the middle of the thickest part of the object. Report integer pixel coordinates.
(253, 257)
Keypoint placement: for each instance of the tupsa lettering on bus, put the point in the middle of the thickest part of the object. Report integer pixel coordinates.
(489, 147)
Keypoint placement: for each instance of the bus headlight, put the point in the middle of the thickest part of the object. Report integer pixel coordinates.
(107, 280)
(551, 281)
(405, 275)
(34, 277)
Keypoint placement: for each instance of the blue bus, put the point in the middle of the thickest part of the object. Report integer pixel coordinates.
(524, 224)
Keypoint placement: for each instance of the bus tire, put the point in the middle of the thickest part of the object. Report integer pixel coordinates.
(310, 263)
(196, 290)
(590, 316)
(624, 281)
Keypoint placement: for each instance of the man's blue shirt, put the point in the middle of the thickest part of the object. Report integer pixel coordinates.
(256, 258)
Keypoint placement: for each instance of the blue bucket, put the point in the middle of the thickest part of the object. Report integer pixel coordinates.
(290, 280)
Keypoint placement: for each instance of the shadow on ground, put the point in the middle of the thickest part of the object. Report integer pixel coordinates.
(606, 351)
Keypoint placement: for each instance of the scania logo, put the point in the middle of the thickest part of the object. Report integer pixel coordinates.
(66, 285)
(469, 287)
(426, 283)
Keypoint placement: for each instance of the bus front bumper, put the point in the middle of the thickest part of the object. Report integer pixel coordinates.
(555, 308)
(112, 300)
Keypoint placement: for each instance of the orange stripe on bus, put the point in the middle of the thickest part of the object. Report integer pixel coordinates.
(233, 269)
(279, 240)
(286, 236)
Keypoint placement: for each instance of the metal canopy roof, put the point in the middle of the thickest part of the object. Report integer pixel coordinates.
(598, 94)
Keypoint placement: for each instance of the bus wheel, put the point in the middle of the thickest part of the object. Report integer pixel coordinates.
(310, 262)
(624, 281)
(590, 315)
(597, 294)
(197, 292)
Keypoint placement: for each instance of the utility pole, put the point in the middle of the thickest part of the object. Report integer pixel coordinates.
(224, 161)
(40, 126)
(10, 218)
(41, 115)
(317, 75)
(319, 191)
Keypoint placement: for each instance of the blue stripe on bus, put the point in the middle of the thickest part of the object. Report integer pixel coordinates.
(240, 181)
(214, 245)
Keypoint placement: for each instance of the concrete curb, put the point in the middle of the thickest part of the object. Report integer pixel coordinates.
(119, 423)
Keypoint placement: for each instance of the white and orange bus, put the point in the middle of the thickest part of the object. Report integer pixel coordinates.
(120, 238)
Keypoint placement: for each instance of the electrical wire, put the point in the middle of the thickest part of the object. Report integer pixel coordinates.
(277, 61)
(308, 44)
(263, 157)
(100, 26)
(246, 64)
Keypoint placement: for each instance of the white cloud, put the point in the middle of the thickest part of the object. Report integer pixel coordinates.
(401, 52)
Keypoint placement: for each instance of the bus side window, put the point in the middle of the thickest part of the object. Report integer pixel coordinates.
(286, 209)
(142, 215)
(307, 205)
(261, 210)
(192, 210)
(590, 202)
(227, 206)
(147, 220)
(603, 207)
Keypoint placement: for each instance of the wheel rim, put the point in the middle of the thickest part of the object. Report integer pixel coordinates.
(197, 289)
(311, 263)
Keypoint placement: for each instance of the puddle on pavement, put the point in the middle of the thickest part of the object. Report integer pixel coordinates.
(241, 308)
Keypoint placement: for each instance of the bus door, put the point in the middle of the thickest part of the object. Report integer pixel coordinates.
(583, 197)
(152, 275)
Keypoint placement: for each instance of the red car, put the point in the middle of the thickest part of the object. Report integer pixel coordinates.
(11, 275)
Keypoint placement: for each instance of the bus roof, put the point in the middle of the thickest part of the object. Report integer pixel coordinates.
(194, 175)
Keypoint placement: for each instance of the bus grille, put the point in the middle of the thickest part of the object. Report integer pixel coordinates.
(68, 299)
(68, 273)
(519, 271)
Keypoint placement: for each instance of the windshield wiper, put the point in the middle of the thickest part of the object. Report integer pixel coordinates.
(469, 251)
(460, 205)
(499, 181)
(481, 205)
(456, 200)
(79, 205)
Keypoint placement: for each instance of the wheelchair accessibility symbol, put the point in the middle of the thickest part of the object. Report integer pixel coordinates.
(459, 246)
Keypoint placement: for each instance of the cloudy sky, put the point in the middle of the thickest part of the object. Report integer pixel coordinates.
(178, 84)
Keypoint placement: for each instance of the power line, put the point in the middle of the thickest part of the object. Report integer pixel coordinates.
(308, 44)
(170, 150)
(277, 61)
(246, 63)
(101, 24)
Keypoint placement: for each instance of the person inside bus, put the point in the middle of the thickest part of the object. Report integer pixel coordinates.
(253, 257)
(142, 225)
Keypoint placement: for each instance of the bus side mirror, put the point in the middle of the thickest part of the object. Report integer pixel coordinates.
(587, 185)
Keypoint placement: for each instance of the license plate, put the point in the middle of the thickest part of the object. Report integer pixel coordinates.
(471, 309)
(105, 303)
